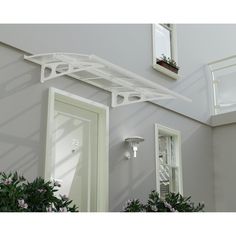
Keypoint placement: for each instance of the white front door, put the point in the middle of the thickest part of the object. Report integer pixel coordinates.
(77, 145)
(75, 158)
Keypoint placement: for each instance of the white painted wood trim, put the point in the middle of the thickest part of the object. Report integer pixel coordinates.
(153, 45)
(103, 140)
(211, 92)
(223, 119)
(215, 64)
(49, 137)
(174, 43)
(172, 132)
(157, 158)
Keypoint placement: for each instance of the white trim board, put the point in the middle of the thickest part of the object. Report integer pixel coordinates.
(103, 140)
(223, 119)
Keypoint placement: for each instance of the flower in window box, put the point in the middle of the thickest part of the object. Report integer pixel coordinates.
(168, 63)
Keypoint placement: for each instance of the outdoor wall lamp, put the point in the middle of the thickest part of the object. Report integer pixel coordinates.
(133, 143)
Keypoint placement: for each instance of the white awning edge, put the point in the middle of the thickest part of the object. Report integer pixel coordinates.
(126, 87)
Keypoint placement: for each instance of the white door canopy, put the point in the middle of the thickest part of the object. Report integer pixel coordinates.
(126, 87)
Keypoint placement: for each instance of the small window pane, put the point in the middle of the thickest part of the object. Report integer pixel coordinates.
(164, 180)
(174, 180)
(173, 151)
(163, 152)
(162, 41)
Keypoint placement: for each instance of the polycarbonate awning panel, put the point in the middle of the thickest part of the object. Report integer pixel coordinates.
(126, 87)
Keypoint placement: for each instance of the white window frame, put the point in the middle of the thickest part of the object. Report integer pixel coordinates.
(213, 67)
(176, 134)
(174, 55)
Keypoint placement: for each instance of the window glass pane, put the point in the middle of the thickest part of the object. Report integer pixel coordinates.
(163, 149)
(225, 89)
(167, 150)
(164, 180)
(162, 41)
(173, 151)
(174, 180)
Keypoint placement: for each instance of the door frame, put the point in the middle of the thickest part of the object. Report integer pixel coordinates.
(103, 139)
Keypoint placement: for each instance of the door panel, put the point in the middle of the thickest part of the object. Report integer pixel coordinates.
(74, 161)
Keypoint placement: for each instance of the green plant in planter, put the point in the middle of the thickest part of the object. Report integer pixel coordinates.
(19, 195)
(172, 203)
(164, 58)
(169, 61)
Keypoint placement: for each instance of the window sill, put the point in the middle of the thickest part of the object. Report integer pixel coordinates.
(165, 71)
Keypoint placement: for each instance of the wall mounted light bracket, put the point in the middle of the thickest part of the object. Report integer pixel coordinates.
(133, 143)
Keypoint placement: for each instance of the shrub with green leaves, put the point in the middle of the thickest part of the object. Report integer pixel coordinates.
(134, 206)
(19, 195)
(172, 203)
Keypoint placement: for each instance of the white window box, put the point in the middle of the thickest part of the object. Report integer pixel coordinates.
(165, 71)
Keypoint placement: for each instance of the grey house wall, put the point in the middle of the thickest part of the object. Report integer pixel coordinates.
(130, 46)
(224, 146)
(23, 105)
